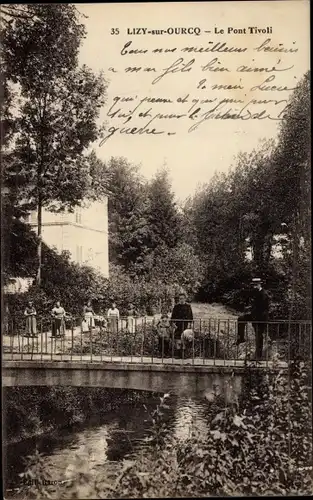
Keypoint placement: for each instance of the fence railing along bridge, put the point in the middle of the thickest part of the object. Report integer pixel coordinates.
(213, 341)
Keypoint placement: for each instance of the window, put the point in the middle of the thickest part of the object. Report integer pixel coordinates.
(78, 216)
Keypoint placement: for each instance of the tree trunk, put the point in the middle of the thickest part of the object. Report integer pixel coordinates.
(262, 248)
(295, 259)
(7, 218)
(268, 250)
(258, 252)
(39, 234)
(241, 241)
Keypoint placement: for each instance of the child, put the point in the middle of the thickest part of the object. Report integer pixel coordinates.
(164, 333)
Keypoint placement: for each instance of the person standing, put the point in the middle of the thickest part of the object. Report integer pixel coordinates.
(113, 318)
(182, 317)
(58, 315)
(31, 322)
(163, 330)
(258, 316)
(131, 319)
(89, 316)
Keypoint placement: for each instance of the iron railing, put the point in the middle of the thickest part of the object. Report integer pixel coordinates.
(138, 340)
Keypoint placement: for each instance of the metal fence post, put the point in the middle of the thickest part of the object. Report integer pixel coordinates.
(22, 355)
(11, 333)
(214, 344)
(173, 342)
(52, 339)
(202, 341)
(90, 341)
(81, 339)
(153, 340)
(224, 345)
(46, 339)
(228, 332)
(72, 337)
(41, 338)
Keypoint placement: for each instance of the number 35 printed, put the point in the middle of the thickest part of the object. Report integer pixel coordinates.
(115, 31)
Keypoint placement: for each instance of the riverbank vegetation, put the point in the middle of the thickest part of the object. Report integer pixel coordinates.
(34, 411)
(261, 444)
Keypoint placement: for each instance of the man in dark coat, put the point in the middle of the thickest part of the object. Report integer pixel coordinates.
(182, 316)
(258, 316)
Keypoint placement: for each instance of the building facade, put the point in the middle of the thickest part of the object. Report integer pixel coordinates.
(83, 233)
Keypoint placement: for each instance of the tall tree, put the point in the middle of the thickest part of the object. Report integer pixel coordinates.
(292, 193)
(162, 214)
(58, 104)
(215, 223)
(251, 182)
(128, 228)
(265, 194)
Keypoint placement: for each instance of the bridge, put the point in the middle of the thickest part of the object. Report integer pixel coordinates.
(183, 379)
(132, 359)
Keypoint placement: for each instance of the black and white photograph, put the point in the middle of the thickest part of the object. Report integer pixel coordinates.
(156, 250)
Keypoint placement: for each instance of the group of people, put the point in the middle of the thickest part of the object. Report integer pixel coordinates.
(58, 320)
(112, 319)
(89, 318)
(177, 328)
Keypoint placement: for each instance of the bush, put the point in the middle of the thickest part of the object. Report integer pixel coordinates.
(259, 445)
(73, 284)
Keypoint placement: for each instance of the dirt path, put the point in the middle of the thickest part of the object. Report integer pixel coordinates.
(219, 311)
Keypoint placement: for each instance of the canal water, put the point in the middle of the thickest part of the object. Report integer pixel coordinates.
(108, 439)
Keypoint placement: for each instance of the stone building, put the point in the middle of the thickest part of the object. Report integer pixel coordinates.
(84, 233)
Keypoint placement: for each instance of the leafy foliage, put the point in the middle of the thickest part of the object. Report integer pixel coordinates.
(162, 215)
(56, 105)
(33, 411)
(127, 223)
(259, 445)
(61, 278)
(265, 196)
(73, 284)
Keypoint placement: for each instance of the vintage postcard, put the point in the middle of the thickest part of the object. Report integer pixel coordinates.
(156, 249)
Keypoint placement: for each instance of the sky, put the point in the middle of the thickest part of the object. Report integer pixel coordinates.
(192, 158)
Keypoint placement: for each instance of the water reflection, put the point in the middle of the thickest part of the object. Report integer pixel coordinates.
(228, 387)
(117, 435)
(189, 416)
